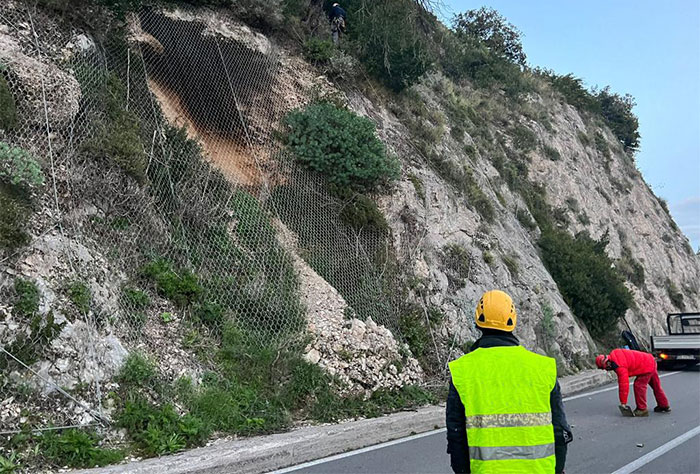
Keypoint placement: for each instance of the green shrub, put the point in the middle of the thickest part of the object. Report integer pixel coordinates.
(573, 90)
(8, 110)
(591, 286)
(552, 153)
(524, 218)
(10, 464)
(340, 145)
(675, 295)
(490, 28)
(210, 314)
(137, 370)
(583, 138)
(119, 134)
(393, 39)
(182, 287)
(614, 108)
(583, 218)
(601, 144)
(27, 298)
(413, 329)
(318, 51)
(135, 298)
(524, 139)
(361, 212)
(457, 259)
(76, 448)
(617, 111)
(159, 430)
(30, 346)
(417, 185)
(80, 296)
(15, 210)
(470, 54)
(19, 168)
(488, 257)
(511, 263)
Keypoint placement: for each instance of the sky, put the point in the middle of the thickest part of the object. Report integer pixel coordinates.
(647, 48)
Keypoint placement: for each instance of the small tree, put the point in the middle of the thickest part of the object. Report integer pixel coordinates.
(617, 111)
(586, 278)
(490, 27)
(393, 39)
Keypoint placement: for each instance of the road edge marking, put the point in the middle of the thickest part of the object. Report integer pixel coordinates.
(357, 451)
(661, 450)
(614, 387)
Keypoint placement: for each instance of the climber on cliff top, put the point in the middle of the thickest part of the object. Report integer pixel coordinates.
(337, 17)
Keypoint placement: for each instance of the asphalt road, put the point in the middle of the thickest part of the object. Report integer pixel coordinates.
(604, 441)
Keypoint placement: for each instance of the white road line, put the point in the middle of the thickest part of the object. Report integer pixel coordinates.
(418, 436)
(614, 387)
(663, 449)
(357, 451)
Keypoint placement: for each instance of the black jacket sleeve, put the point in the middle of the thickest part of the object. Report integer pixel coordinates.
(562, 431)
(456, 422)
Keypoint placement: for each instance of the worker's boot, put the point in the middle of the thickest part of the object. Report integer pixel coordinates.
(662, 409)
(639, 412)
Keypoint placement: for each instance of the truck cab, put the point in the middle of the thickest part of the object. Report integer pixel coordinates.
(682, 344)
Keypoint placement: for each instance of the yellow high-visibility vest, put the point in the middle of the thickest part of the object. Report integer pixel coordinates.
(505, 392)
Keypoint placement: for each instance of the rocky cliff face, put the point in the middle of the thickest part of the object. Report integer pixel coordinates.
(596, 194)
(448, 251)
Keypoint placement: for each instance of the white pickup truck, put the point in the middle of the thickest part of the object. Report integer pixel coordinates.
(682, 344)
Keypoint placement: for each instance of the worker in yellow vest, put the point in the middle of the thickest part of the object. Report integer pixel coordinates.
(504, 409)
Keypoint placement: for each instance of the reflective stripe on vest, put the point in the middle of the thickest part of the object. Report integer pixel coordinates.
(505, 392)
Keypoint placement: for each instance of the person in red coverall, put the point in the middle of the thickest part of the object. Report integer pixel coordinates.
(628, 363)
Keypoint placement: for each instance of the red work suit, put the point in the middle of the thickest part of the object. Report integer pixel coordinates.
(643, 366)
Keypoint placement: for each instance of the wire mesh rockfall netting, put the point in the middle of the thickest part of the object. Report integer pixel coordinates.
(167, 206)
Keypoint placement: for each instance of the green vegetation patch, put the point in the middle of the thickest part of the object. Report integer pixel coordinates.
(158, 430)
(8, 110)
(137, 371)
(76, 448)
(675, 295)
(524, 139)
(27, 298)
(318, 51)
(19, 168)
(119, 133)
(181, 287)
(417, 185)
(511, 263)
(79, 294)
(458, 260)
(586, 278)
(340, 145)
(15, 209)
(360, 212)
(552, 153)
(392, 39)
(135, 298)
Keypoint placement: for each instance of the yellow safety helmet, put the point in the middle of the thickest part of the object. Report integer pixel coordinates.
(495, 310)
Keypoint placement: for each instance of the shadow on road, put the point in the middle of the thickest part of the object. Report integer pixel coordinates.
(685, 367)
